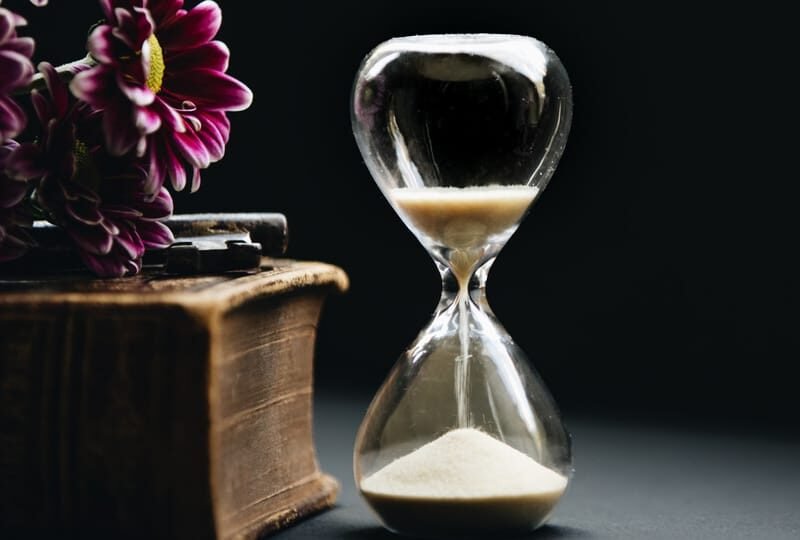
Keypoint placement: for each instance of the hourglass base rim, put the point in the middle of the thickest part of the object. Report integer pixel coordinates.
(462, 517)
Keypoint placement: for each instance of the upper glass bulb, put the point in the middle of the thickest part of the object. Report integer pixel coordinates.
(462, 110)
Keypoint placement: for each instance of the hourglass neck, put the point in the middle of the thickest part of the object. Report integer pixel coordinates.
(456, 286)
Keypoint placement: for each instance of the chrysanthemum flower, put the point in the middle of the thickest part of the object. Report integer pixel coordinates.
(99, 200)
(16, 71)
(161, 84)
(15, 219)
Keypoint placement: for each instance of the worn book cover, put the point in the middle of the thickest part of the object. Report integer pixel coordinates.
(158, 407)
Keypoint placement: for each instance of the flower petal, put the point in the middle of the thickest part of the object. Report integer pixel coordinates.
(107, 266)
(138, 93)
(159, 207)
(109, 226)
(176, 170)
(147, 121)
(22, 45)
(6, 148)
(208, 89)
(94, 240)
(120, 132)
(216, 151)
(101, 44)
(73, 191)
(133, 267)
(84, 212)
(172, 118)
(12, 119)
(58, 90)
(42, 106)
(141, 146)
(212, 55)
(25, 162)
(133, 27)
(17, 70)
(216, 131)
(195, 180)
(120, 211)
(156, 171)
(94, 86)
(108, 9)
(8, 24)
(154, 234)
(193, 121)
(199, 25)
(129, 240)
(221, 123)
(163, 163)
(192, 149)
(164, 11)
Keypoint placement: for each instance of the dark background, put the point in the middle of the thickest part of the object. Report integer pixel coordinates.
(656, 276)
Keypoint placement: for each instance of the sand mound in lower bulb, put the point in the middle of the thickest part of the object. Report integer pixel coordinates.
(464, 482)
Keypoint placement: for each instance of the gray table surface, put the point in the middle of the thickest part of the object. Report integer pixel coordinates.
(633, 480)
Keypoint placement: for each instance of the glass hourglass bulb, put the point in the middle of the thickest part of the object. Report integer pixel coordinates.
(461, 133)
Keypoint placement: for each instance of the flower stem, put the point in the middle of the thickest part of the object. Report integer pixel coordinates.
(66, 72)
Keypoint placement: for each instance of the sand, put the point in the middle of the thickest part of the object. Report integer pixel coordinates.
(462, 482)
(464, 219)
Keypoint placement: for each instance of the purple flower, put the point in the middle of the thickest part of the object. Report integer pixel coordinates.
(14, 215)
(161, 84)
(16, 71)
(100, 200)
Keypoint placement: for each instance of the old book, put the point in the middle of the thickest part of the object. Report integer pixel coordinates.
(157, 407)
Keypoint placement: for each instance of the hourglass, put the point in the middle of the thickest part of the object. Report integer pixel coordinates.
(461, 133)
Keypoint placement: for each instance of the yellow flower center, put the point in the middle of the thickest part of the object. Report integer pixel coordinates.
(86, 172)
(156, 75)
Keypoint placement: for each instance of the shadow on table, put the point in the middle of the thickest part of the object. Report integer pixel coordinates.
(547, 532)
